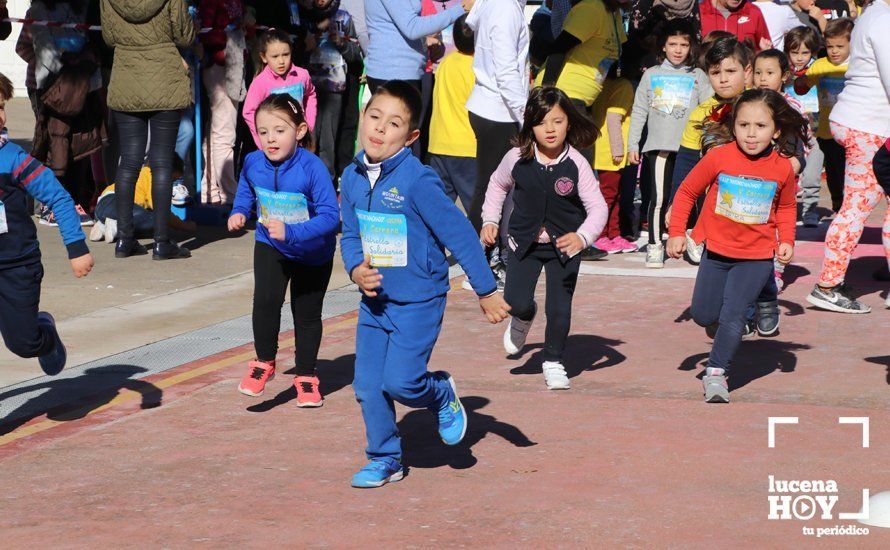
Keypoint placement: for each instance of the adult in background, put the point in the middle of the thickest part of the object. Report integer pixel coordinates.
(740, 18)
(860, 122)
(148, 89)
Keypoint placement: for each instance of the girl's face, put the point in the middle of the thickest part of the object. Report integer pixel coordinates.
(386, 128)
(550, 133)
(729, 77)
(676, 49)
(754, 127)
(277, 57)
(768, 74)
(278, 135)
(799, 57)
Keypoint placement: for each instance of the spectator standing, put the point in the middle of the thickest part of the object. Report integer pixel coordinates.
(739, 17)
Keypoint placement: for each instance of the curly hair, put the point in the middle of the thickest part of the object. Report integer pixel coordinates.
(541, 100)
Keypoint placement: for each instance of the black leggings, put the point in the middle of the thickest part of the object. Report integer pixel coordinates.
(519, 292)
(272, 273)
(661, 173)
(133, 129)
(493, 140)
(835, 161)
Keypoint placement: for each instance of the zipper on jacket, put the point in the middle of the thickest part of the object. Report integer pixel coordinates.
(275, 180)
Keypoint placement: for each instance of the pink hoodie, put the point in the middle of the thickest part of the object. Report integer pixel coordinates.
(296, 82)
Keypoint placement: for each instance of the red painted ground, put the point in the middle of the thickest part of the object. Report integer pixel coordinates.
(629, 457)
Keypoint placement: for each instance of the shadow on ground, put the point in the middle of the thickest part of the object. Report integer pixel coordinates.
(754, 359)
(332, 375)
(584, 353)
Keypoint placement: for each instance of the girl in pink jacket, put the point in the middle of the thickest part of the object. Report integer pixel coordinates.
(280, 76)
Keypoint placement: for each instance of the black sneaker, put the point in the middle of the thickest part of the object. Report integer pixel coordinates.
(53, 362)
(767, 318)
(592, 253)
(836, 299)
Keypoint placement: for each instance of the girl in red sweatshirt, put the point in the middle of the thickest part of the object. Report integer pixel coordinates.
(749, 216)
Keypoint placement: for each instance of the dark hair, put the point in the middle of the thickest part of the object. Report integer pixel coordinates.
(292, 110)
(837, 28)
(792, 125)
(714, 36)
(6, 88)
(542, 99)
(778, 55)
(679, 27)
(270, 37)
(463, 36)
(725, 48)
(802, 36)
(407, 94)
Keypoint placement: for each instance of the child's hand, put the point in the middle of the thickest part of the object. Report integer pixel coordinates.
(616, 159)
(82, 266)
(667, 217)
(489, 234)
(765, 43)
(494, 307)
(676, 246)
(785, 253)
(633, 157)
(795, 165)
(366, 277)
(236, 222)
(570, 244)
(277, 229)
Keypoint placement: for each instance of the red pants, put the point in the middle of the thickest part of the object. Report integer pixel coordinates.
(610, 183)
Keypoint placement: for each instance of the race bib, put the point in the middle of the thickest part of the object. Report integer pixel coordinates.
(3, 227)
(671, 92)
(293, 90)
(384, 238)
(745, 200)
(285, 207)
(829, 88)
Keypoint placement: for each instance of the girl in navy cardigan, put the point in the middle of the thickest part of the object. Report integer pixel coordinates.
(291, 190)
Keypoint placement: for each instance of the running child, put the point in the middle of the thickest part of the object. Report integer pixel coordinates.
(557, 212)
(28, 332)
(748, 218)
(397, 222)
(279, 76)
(291, 191)
(665, 98)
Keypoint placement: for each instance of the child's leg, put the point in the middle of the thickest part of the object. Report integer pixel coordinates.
(439, 164)
(19, 302)
(561, 281)
(610, 182)
(707, 297)
(522, 277)
(463, 177)
(834, 170)
(810, 178)
(661, 173)
(270, 285)
(308, 284)
(492, 143)
(881, 166)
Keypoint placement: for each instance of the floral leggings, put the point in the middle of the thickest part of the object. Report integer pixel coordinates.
(861, 194)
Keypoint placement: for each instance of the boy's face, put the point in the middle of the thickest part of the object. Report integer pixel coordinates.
(838, 49)
(729, 77)
(768, 74)
(800, 56)
(386, 128)
(2, 112)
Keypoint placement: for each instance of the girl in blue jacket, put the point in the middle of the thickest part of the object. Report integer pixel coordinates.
(294, 198)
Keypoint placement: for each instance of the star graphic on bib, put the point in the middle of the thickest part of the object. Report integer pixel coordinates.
(726, 198)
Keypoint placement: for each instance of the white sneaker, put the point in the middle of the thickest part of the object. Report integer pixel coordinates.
(97, 233)
(655, 255)
(110, 230)
(180, 195)
(694, 251)
(555, 376)
(516, 333)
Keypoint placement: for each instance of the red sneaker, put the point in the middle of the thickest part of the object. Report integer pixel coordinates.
(307, 391)
(254, 382)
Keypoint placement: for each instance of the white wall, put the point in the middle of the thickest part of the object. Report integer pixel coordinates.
(10, 63)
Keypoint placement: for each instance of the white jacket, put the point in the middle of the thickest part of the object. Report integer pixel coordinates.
(500, 62)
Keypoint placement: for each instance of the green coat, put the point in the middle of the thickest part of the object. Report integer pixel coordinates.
(149, 73)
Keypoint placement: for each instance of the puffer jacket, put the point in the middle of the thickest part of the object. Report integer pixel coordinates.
(148, 74)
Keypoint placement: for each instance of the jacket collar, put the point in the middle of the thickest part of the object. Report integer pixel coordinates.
(386, 166)
(290, 72)
(286, 163)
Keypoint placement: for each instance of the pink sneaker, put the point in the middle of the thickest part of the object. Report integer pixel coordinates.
(624, 245)
(307, 391)
(606, 245)
(258, 373)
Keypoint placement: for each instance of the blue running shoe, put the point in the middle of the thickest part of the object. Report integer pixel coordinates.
(452, 415)
(378, 473)
(53, 362)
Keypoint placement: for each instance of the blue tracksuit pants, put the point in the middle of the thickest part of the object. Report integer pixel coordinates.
(394, 342)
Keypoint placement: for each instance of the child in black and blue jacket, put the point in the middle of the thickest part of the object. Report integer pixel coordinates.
(397, 222)
(27, 331)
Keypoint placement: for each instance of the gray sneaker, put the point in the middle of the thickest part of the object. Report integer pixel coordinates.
(716, 388)
(655, 256)
(836, 299)
(516, 333)
(767, 318)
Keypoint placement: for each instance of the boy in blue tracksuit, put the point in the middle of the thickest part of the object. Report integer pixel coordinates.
(26, 331)
(397, 222)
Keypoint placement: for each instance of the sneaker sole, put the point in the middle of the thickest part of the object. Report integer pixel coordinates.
(558, 388)
(313, 405)
(654, 265)
(373, 485)
(508, 343)
(717, 398)
(246, 391)
(462, 410)
(768, 333)
(828, 306)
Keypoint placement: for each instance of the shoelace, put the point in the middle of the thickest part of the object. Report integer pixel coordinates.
(257, 373)
(306, 387)
(446, 416)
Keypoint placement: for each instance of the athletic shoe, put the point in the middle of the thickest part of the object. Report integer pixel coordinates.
(592, 253)
(181, 195)
(749, 330)
(46, 217)
(655, 255)
(254, 382)
(767, 318)
(307, 391)
(452, 415)
(607, 245)
(811, 218)
(377, 473)
(517, 332)
(624, 245)
(110, 230)
(716, 386)
(693, 251)
(837, 299)
(500, 275)
(97, 233)
(555, 376)
(53, 362)
(85, 218)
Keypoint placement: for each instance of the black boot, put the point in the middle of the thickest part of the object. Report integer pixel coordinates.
(169, 250)
(128, 247)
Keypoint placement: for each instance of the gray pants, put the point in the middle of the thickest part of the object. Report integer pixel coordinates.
(811, 179)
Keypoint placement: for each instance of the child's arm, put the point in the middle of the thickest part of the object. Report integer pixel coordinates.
(616, 139)
(786, 211)
(255, 95)
(350, 48)
(594, 204)
(500, 184)
(690, 189)
(412, 24)
(327, 212)
(803, 83)
(310, 101)
(638, 117)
